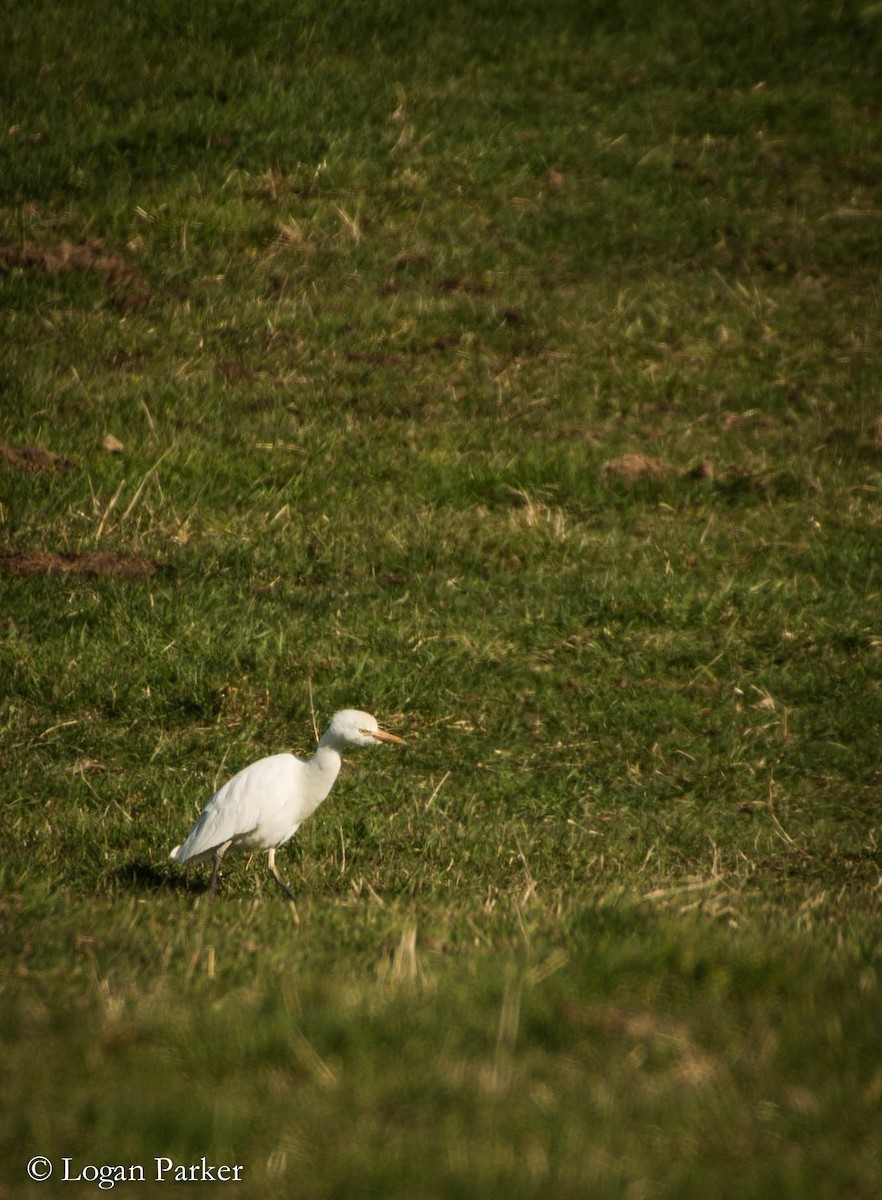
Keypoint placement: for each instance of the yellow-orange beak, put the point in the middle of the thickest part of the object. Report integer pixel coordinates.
(382, 736)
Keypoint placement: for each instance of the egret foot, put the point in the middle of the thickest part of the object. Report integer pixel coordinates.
(273, 870)
(215, 874)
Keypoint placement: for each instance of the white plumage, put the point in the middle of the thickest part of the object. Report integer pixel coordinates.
(263, 806)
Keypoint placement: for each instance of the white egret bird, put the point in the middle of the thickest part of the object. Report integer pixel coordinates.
(263, 806)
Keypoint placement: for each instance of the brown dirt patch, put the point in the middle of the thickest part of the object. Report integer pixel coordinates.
(234, 372)
(96, 564)
(375, 358)
(468, 287)
(33, 458)
(631, 468)
(115, 271)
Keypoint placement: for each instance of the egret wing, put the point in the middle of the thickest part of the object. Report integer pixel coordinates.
(253, 809)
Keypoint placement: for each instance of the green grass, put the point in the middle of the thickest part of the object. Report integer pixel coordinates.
(372, 299)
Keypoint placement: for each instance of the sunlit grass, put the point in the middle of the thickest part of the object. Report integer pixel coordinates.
(515, 378)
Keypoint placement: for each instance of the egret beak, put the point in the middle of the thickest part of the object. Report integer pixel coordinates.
(381, 735)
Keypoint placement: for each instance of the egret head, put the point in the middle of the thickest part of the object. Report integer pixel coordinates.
(349, 727)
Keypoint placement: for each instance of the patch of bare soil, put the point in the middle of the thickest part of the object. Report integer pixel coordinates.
(96, 564)
(115, 271)
(469, 287)
(234, 372)
(631, 468)
(33, 458)
(375, 358)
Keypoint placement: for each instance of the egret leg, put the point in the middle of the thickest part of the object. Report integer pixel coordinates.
(273, 870)
(215, 874)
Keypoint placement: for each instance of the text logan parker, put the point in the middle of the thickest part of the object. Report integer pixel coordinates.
(163, 1170)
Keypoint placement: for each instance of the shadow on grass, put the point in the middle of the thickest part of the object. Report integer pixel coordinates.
(144, 877)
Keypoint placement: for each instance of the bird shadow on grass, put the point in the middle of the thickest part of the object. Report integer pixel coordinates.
(144, 877)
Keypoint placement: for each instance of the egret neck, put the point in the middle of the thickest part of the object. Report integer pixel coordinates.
(321, 771)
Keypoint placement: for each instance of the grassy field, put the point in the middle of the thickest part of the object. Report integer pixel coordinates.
(511, 371)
